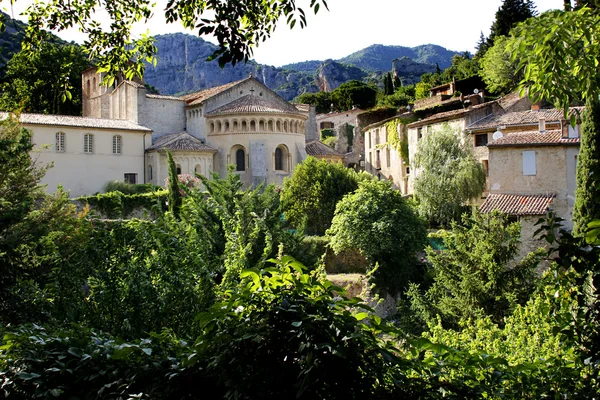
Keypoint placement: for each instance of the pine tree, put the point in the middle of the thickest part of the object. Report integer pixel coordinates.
(397, 82)
(587, 195)
(508, 15)
(482, 46)
(175, 199)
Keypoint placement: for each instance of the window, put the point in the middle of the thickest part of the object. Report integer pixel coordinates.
(178, 167)
(486, 167)
(529, 162)
(150, 172)
(59, 144)
(419, 133)
(281, 158)
(481, 140)
(88, 143)
(131, 178)
(327, 125)
(117, 144)
(388, 157)
(240, 160)
(197, 170)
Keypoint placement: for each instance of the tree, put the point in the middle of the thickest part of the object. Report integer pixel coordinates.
(587, 194)
(498, 71)
(448, 176)
(353, 93)
(471, 277)
(321, 100)
(310, 195)
(175, 199)
(376, 220)
(46, 82)
(482, 46)
(388, 84)
(508, 15)
(237, 25)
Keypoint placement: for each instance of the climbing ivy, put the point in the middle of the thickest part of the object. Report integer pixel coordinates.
(398, 142)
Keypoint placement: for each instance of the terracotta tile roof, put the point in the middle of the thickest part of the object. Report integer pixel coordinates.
(318, 148)
(181, 142)
(78, 122)
(509, 100)
(448, 115)
(160, 96)
(529, 117)
(199, 97)
(533, 138)
(134, 84)
(304, 108)
(254, 104)
(517, 204)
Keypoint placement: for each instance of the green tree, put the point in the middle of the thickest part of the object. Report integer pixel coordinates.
(47, 81)
(388, 84)
(448, 177)
(376, 220)
(353, 93)
(310, 195)
(508, 15)
(587, 193)
(175, 199)
(321, 100)
(499, 72)
(472, 277)
(237, 25)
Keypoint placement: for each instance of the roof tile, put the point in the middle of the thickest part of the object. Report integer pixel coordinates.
(529, 117)
(78, 122)
(199, 97)
(318, 148)
(254, 104)
(517, 204)
(534, 138)
(181, 142)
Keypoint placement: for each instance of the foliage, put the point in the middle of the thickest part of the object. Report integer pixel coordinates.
(130, 188)
(38, 232)
(331, 141)
(557, 52)
(449, 175)
(402, 96)
(327, 133)
(174, 188)
(587, 194)
(388, 84)
(321, 100)
(237, 26)
(508, 15)
(398, 138)
(498, 71)
(116, 204)
(474, 277)
(310, 195)
(376, 220)
(47, 81)
(353, 93)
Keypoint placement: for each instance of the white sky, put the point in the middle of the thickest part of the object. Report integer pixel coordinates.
(351, 25)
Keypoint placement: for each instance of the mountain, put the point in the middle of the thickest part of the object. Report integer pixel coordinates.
(182, 67)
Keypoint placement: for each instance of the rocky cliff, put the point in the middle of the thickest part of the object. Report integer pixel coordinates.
(183, 67)
(410, 71)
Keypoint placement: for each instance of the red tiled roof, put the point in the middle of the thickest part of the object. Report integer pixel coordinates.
(529, 117)
(318, 148)
(517, 204)
(448, 115)
(533, 138)
(254, 104)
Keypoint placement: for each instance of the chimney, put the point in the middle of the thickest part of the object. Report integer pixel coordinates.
(542, 125)
(536, 106)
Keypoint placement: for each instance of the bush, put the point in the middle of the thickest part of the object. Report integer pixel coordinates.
(130, 188)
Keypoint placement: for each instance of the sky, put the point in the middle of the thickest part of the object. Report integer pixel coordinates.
(351, 25)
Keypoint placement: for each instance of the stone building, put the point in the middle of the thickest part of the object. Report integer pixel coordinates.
(321, 151)
(125, 131)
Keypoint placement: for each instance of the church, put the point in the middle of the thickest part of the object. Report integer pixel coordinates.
(124, 132)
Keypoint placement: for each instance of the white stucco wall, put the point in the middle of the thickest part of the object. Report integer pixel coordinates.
(82, 173)
(162, 115)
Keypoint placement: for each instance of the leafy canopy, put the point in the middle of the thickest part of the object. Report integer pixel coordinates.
(237, 25)
(376, 220)
(353, 93)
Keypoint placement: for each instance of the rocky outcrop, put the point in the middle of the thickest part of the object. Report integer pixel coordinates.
(410, 71)
(331, 75)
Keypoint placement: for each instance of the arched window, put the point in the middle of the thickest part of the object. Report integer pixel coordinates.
(270, 124)
(116, 144)
(244, 126)
(88, 143)
(88, 92)
(253, 126)
(198, 169)
(240, 160)
(94, 85)
(178, 167)
(281, 158)
(149, 172)
(59, 144)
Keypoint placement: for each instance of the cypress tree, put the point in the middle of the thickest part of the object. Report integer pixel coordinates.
(175, 199)
(397, 82)
(388, 85)
(587, 195)
(508, 15)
